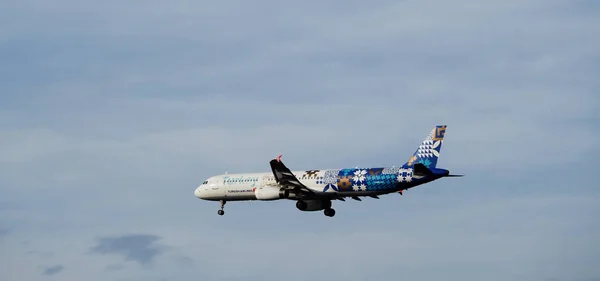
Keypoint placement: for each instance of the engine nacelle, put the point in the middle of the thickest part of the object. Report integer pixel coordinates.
(271, 193)
(313, 205)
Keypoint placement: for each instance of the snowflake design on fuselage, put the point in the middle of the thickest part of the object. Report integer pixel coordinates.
(359, 187)
(405, 175)
(359, 175)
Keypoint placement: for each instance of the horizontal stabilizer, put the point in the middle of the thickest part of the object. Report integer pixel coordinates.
(420, 170)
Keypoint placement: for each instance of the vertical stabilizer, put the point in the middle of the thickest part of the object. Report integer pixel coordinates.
(429, 150)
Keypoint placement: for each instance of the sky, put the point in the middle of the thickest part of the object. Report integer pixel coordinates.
(112, 113)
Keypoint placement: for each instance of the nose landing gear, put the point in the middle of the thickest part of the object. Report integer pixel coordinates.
(221, 212)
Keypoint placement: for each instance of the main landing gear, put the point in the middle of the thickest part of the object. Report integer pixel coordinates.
(221, 212)
(329, 212)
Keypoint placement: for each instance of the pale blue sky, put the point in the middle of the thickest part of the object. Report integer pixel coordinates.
(112, 112)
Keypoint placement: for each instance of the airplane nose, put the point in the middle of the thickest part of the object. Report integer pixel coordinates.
(197, 192)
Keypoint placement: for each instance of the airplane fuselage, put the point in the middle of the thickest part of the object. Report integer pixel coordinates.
(327, 183)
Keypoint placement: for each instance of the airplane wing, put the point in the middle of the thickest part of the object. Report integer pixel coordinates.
(285, 177)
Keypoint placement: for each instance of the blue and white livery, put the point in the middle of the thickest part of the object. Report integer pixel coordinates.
(315, 189)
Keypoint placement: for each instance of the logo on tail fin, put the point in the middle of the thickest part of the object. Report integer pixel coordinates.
(439, 133)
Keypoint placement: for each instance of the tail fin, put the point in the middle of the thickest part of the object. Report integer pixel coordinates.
(429, 150)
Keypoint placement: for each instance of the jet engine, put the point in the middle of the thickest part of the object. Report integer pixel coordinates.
(271, 193)
(313, 205)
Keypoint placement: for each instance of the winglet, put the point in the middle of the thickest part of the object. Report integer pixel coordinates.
(279, 158)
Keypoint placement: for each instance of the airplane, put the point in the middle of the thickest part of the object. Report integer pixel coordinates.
(314, 190)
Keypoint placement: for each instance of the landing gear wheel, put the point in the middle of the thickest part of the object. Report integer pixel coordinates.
(329, 212)
(221, 212)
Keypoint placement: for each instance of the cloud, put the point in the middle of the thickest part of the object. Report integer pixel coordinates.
(115, 267)
(140, 248)
(3, 232)
(53, 270)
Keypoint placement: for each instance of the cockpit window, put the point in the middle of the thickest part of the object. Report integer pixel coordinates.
(205, 182)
